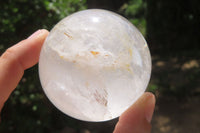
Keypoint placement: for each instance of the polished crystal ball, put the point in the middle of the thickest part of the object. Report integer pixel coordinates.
(94, 64)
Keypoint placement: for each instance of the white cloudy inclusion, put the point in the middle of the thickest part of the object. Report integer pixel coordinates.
(94, 64)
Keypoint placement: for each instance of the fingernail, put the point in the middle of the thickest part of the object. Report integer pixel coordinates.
(35, 34)
(149, 109)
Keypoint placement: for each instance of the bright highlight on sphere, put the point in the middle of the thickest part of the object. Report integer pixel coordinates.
(94, 64)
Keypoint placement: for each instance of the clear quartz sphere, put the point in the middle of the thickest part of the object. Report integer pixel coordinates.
(94, 64)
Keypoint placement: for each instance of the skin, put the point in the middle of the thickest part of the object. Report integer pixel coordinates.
(25, 54)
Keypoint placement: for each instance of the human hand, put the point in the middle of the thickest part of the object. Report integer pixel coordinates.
(137, 118)
(25, 54)
(16, 59)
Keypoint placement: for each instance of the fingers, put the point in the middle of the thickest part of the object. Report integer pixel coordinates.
(16, 59)
(137, 118)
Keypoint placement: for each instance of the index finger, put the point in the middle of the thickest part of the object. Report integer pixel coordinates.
(16, 59)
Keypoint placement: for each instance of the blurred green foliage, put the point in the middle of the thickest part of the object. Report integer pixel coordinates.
(173, 26)
(134, 10)
(19, 18)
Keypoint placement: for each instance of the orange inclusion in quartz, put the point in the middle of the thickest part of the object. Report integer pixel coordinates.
(94, 52)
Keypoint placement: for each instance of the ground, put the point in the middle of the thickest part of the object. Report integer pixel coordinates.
(170, 116)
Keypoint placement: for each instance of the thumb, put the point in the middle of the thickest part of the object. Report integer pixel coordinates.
(137, 118)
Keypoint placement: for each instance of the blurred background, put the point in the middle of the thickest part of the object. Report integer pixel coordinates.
(172, 30)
